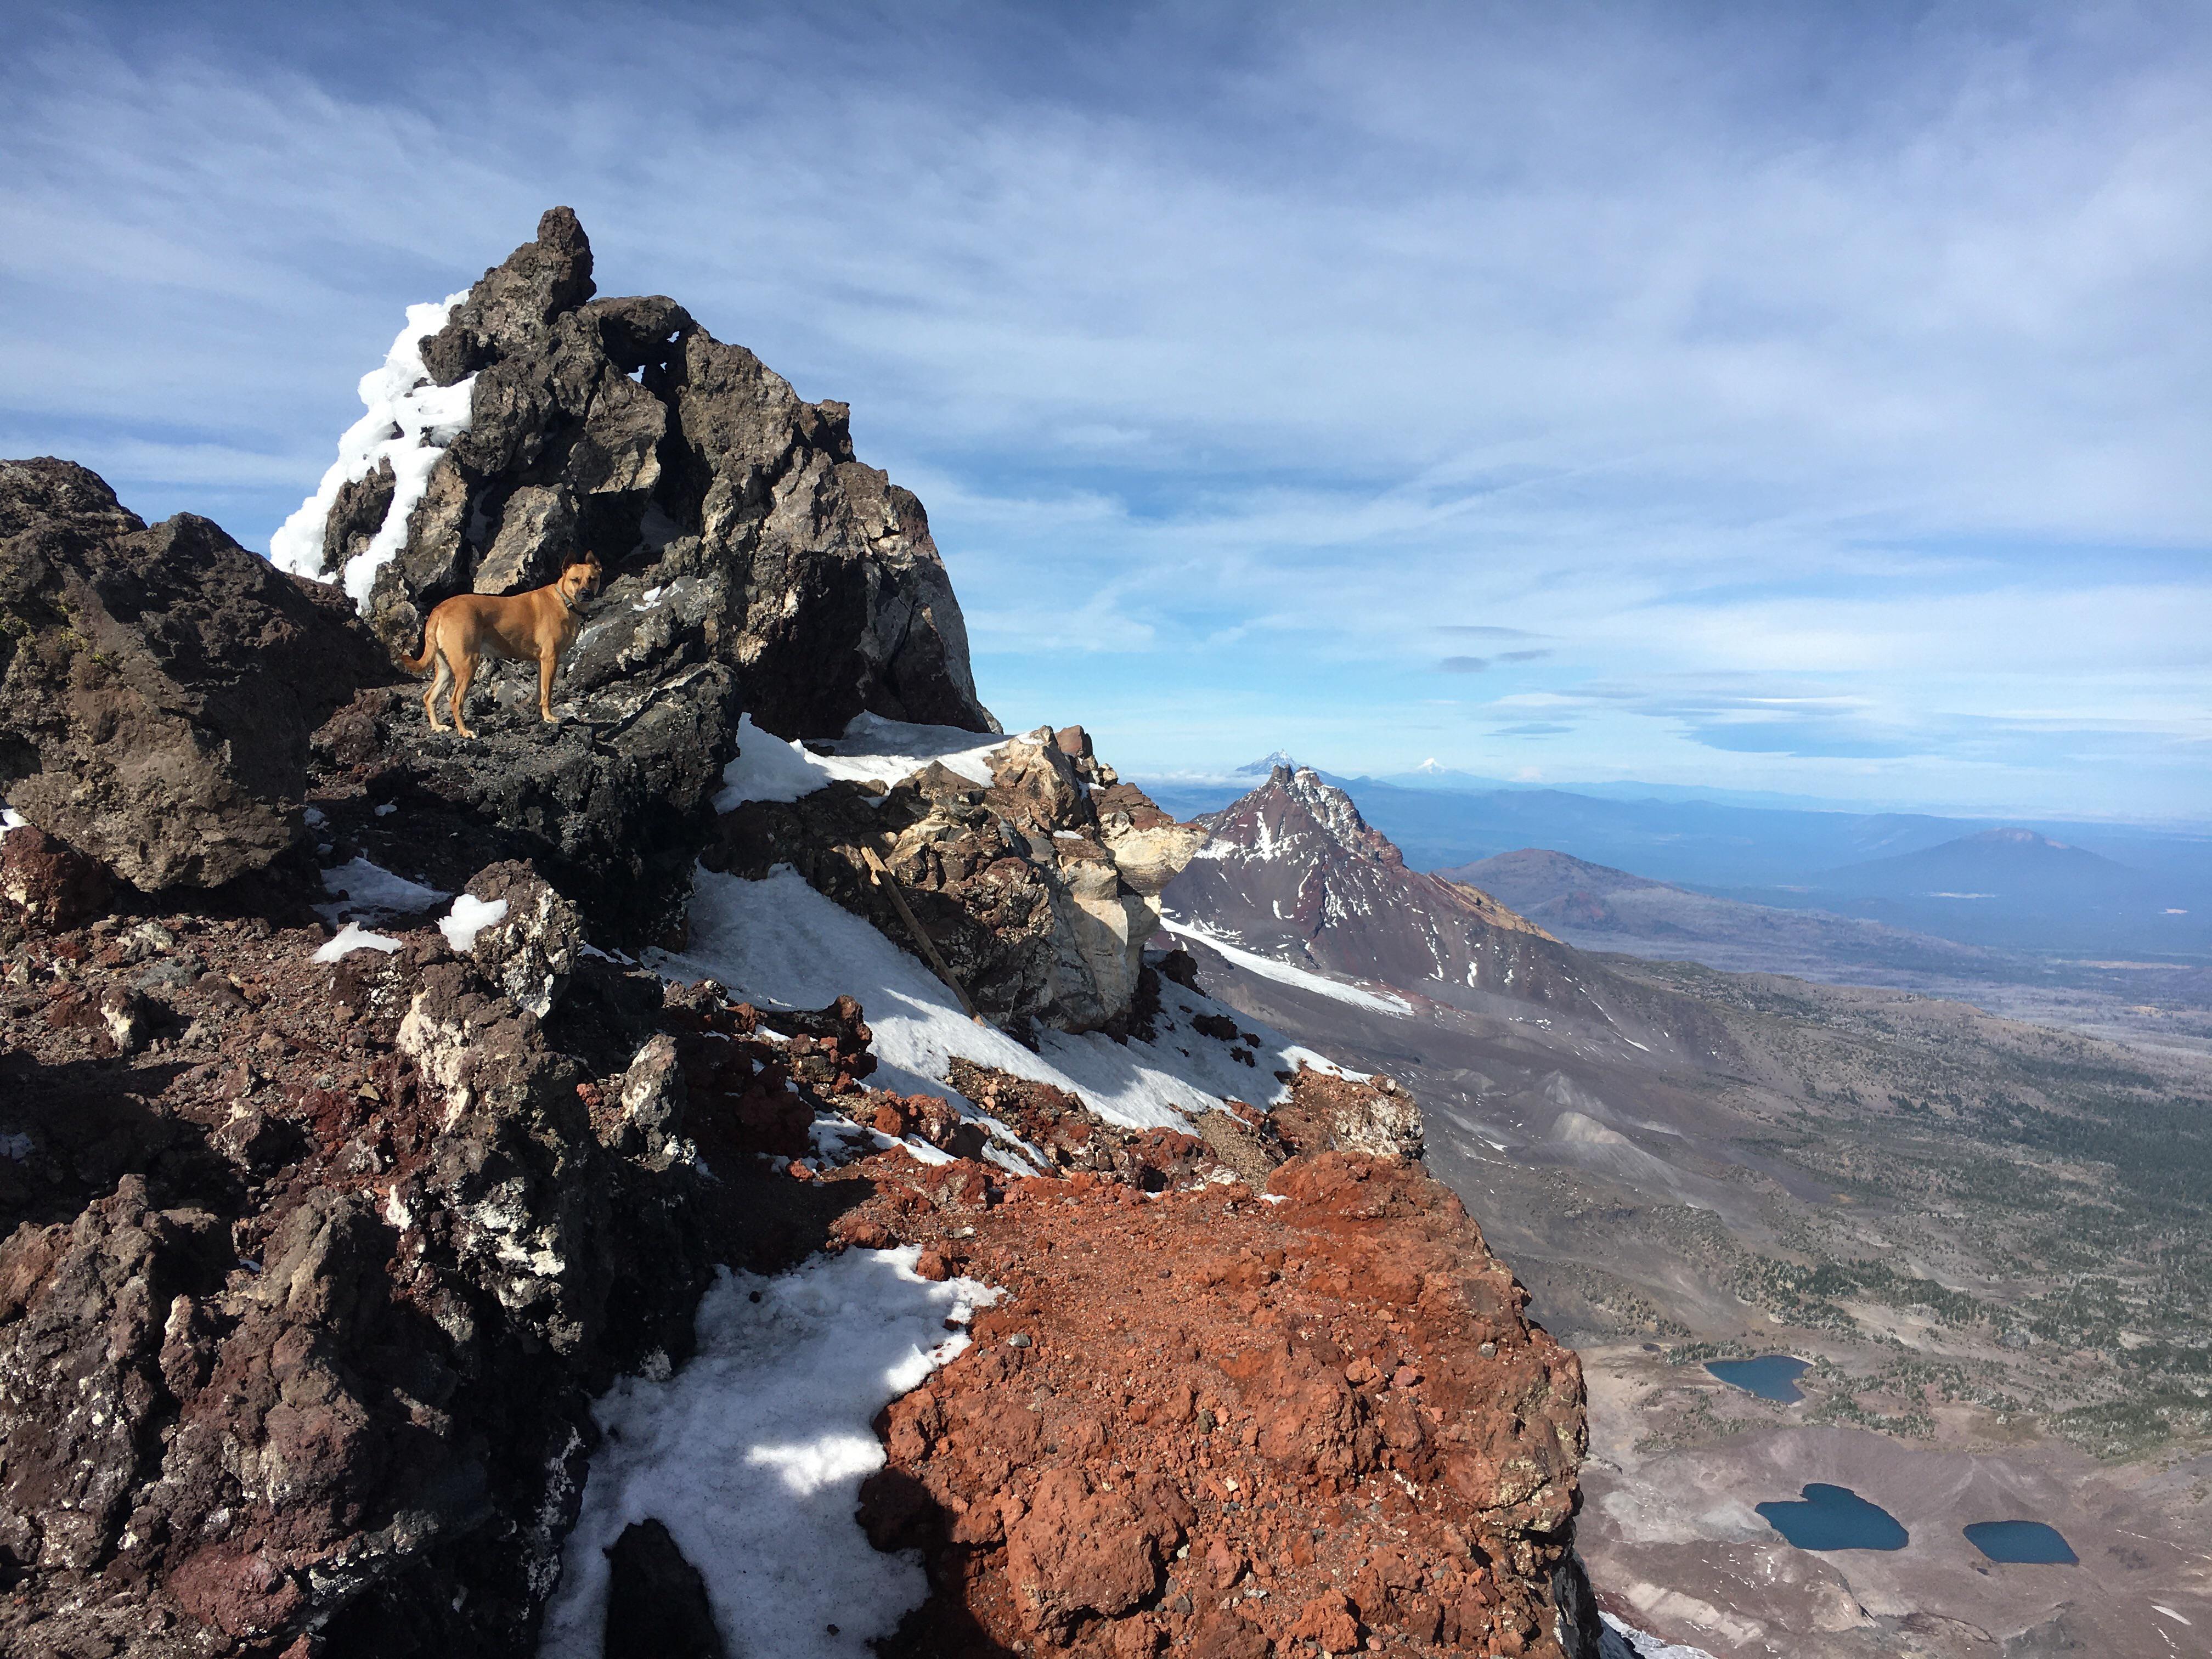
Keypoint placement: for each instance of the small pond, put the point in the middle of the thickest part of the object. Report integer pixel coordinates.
(2028, 1542)
(1835, 1518)
(1771, 1376)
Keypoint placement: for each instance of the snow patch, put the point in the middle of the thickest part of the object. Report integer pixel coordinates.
(469, 916)
(752, 1455)
(777, 942)
(871, 750)
(1622, 1641)
(354, 936)
(410, 422)
(1283, 973)
(11, 819)
(359, 885)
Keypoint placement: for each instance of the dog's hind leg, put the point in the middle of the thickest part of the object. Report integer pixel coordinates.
(463, 673)
(441, 676)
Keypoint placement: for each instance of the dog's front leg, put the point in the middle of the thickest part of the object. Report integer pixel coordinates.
(546, 665)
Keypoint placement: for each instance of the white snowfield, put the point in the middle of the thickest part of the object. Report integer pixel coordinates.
(1284, 973)
(752, 1456)
(777, 942)
(408, 423)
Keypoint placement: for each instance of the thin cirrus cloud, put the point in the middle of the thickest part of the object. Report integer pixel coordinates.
(1227, 345)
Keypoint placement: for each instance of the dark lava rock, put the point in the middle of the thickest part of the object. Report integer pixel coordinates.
(657, 1606)
(752, 564)
(158, 686)
(767, 567)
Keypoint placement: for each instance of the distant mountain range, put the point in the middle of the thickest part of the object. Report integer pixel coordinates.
(1605, 909)
(2054, 886)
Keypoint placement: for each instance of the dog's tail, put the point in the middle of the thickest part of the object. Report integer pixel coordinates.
(416, 664)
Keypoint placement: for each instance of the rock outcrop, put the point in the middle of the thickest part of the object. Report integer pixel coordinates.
(1204, 1423)
(306, 1286)
(803, 579)
(158, 685)
(1326, 1113)
(1035, 890)
(752, 563)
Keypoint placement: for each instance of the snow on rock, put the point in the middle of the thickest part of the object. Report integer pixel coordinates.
(752, 1455)
(1284, 974)
(354, 936)
(469, 916)
(871, 749)
(11, 819)
(410, 423)
(777, 942)
(357, 885)
(1622, 1641)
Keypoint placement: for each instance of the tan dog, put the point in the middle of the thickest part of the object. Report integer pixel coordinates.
(533, 627)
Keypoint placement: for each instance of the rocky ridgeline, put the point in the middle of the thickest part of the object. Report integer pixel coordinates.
(311, 1269)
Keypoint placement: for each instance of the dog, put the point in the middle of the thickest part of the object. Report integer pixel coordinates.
(533, 627)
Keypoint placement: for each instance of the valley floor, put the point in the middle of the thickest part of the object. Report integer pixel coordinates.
(1990, 1239)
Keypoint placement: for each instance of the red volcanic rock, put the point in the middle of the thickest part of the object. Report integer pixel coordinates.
(1326, 1620)
(1199, 1417)
(53, 884)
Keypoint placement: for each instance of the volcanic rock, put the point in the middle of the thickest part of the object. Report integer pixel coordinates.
(751, 562)
(1018, 884)
(1329, 1113)
(49, 882)
(1204, 1422)
(624, 428)
(530, 950)
(158, 686)
(300, 1319)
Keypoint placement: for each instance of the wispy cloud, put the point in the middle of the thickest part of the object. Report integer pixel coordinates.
(1229, 345)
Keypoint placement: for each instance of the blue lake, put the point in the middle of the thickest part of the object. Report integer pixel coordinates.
(2029, 1542)
(1771, 1376)
(1835, 1518)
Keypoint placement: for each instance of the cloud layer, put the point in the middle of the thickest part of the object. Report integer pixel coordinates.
(1783, 396)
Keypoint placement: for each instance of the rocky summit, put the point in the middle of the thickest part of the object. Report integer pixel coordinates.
(732, 1172)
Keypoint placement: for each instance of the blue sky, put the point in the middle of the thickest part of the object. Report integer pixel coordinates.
(1793, 398)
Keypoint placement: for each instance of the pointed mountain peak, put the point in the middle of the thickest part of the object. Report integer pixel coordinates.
(1280, 761)
(1295, 808)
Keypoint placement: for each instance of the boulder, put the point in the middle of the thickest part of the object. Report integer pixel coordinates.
(50, 882)
(1374, 1115)
(158, 685)
(529, 947)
